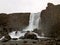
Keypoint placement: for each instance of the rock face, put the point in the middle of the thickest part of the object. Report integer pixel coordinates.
(4, 18)
(18, 21)
(50, 20)
(14, 21)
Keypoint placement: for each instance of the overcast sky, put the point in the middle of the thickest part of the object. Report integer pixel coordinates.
(12, 6)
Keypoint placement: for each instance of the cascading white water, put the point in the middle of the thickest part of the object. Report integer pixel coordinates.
(33, 22)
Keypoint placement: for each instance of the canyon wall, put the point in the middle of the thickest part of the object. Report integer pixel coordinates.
(19, 20)
(50, 20)
(13, 21)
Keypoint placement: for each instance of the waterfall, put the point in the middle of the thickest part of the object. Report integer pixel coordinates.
(33, 22)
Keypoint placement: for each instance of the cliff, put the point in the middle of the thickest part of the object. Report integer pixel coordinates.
(19, 20)
(50, 20)
(13, 21)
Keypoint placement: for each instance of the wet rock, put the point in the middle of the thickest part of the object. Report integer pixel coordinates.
(6, 38)
(38, 31)
(30, 35)
(14, 39)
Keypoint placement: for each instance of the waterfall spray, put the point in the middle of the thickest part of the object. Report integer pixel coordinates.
(33, 22)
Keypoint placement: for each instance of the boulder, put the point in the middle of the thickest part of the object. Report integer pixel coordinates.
(30, 35)
(6, 38)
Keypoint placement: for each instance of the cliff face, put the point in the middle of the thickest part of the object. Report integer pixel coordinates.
(14, 21)
(3, 19)
(19, 20)
(50, 20)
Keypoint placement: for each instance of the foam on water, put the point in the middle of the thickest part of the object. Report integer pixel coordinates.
(19, 34)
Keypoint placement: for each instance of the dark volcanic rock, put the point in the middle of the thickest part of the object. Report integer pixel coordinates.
(6, 38)
(30, 35)
(50, 20)
(38, 31)
(18, 21)
(4, 19)
(14, 21)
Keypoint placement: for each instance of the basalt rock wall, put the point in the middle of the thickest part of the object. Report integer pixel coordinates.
(19, 20)
(13, 21)
(50, 20)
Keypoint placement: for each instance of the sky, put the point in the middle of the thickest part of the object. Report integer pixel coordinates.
(33, 6)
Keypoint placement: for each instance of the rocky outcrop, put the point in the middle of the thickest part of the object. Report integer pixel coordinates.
(30, 35)
(4, 19)
(50, 20)
(19, 21)
(6, 38)
(38, 31)
(13, 21)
